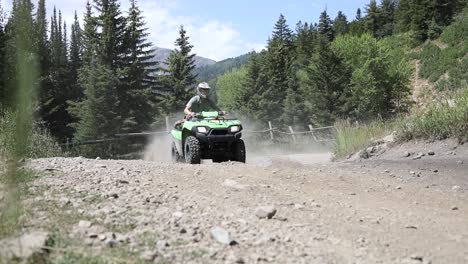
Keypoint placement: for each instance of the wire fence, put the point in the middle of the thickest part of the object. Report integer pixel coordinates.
(288, 140)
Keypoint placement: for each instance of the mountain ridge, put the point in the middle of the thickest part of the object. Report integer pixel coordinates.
(161, 55)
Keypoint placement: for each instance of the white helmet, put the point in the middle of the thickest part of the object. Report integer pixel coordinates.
(204, 86)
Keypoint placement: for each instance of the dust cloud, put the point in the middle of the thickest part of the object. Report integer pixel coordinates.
(159, 148)
(259, 148)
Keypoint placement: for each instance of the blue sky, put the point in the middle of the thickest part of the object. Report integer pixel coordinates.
(218, 29)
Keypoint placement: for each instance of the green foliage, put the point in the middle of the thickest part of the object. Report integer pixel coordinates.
(40, 144)
(387, 18)
(436, 62)
(456, 33)
(324, 85)
(372, 19)
(98, 114)
(351, 138)
(340, 24)
(231, 89)
(356, 27)
(445, 118)
(294, 113)
(306, 38)
(447, 66)
(380, 79)
(425, 18)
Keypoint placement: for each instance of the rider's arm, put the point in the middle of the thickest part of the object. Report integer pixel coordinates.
(187, 111)
(188, 107)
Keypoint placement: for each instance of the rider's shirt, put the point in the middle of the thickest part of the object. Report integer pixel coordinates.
(199, 104)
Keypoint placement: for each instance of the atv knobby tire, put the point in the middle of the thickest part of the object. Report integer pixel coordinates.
(239, 151)
(192, 150)
(175, 154)
(220, 159)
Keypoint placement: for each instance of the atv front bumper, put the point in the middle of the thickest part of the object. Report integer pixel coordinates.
(208, 138)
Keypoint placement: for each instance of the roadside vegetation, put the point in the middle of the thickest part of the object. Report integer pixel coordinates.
(444, 63)
(444, 118)
(40, 143)
(351, 138)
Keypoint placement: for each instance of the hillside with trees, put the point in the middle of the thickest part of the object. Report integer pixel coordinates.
(356, 70)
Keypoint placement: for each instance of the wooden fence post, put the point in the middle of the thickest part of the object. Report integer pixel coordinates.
(292, 133)
(168, 126)
(311, 128)
(271, 131)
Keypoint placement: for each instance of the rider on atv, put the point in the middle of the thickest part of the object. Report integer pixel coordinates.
(200, 102)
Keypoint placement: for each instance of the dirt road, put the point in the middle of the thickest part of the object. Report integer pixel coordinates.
(375, 211)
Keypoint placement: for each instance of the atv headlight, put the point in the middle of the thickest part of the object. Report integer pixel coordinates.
(202, 129)
(234, 129)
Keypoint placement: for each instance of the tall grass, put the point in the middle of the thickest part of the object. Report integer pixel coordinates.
(19, 138)
(41, 142)
(445, 118)
(351, 138)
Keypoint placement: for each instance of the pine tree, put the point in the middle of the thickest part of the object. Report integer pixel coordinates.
(256, 83)
(328, 78)
(340, 24)
(403, 16)
(112, 33)
(444, 11)
(373, 18)
(140, 70)
(90, 37)
(280, 57)
(304, 42)
(356, 27)
(42, 46)
(325, 26)
(88, 55)
(180, 79)
(358, 14)
(54, 99)
(97, 111)
(100, 113)
(421, 14)
(75, 62)
(293, 110)
(388, 11)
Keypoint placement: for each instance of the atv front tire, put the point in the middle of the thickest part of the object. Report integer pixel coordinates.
(175, 154)
(220, 159)
(192, 150)
(239, 151)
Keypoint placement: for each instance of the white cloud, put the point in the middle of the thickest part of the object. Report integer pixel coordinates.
(211, 38)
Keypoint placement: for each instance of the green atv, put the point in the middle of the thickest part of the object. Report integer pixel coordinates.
(208, 135)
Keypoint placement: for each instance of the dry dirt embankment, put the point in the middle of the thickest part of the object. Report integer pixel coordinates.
(387, 210)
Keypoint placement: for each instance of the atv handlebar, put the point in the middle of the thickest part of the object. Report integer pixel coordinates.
(220, 113)
(200, 115)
